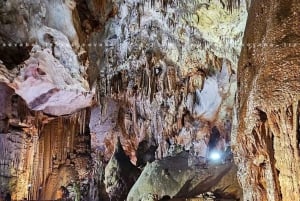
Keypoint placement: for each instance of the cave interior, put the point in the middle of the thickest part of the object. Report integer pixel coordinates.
(150, 100)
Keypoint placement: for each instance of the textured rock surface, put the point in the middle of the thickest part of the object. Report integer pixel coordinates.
(47, 86)
(41, 151)
(268, 103)
(165, 76)
(52, 78)
(165, 80)
(42, 78)
(176, 177)
(120, 174)
(164, 73)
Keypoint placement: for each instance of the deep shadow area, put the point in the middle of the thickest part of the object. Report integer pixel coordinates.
(13, 55)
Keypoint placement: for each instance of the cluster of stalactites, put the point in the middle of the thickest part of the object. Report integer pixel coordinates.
(227, 4)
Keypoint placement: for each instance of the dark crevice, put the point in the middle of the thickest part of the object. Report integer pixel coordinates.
(50, 40)
(145, 153)
(262, 115)
(285, 10)
(276, 172)
(86, 17)
(279, 192)
(214, 138)
(12, 55)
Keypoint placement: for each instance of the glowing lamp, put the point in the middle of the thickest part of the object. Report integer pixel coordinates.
(215, 156)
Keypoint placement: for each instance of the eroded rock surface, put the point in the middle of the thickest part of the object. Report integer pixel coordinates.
(42, 151)
(164, 73)
(120, 174)
(165, 79)
(46, 85)
(45, 140)
(268, 103)
(175, 177)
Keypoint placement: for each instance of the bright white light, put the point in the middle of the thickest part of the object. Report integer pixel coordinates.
(215, 156)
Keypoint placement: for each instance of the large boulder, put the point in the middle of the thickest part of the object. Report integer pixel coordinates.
(174, 177)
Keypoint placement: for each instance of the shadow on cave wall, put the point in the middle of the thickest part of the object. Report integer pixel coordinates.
(13, 55)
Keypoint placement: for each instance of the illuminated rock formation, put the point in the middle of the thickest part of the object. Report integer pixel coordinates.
(176, 178)
(167, 74)
(41, 151)
(161, 75)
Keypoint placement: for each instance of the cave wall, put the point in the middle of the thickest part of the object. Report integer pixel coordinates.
(267, 141)
(45, 96)
(168, 74)
(63, 157)
(163, 72)
(41, 151)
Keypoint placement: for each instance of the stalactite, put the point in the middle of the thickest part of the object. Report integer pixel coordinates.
(152, 3)
(139, 15)
(102, 7)
(142, 80)
(53, 148)
(153, 85)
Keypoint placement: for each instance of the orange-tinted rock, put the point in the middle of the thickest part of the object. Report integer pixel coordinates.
(267, 142)
(162, 72)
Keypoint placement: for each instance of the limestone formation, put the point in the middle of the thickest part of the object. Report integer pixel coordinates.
(162, 75)
(175, 178)
(120, 174)
(162, 72)
(44, 99)
(167, 75)
(267, 142)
